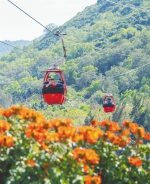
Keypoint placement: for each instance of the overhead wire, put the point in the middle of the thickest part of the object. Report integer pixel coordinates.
(132, 70)
(128, 55)
(57, 34)
(122, 4)
(32, 17)
(12, 46)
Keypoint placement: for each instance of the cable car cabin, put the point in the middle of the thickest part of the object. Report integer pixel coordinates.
(54, 93)
(109, 104)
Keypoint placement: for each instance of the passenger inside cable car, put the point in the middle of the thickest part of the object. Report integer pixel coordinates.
(47, 83)
(108, 103)
(52, 83)
(60, 83)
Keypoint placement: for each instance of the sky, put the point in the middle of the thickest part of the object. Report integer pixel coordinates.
(15, 25)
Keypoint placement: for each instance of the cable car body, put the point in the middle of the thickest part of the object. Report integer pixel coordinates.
(109, 105)
(54, 95)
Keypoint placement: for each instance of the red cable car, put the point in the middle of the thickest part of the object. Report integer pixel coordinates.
(54, 95)
(109, 104)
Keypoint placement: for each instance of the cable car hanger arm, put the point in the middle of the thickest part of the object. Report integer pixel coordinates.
(58, 33)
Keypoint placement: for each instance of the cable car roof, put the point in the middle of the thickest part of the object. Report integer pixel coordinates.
(53, 70)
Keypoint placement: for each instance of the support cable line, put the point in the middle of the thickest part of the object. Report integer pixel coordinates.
(120, 4)
(32, 18)
(12, 46)
(57, 34)
(132, 70)
(59, 62)
(120, 54)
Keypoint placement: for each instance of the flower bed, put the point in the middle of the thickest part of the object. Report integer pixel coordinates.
(36, 150)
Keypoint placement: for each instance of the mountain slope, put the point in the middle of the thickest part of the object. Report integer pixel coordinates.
(110, 39)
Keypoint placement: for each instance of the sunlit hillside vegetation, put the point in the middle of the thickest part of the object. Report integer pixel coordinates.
(111, 39)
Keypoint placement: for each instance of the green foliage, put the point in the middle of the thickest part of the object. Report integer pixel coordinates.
(141, 111)
(106, 38)
(14, 88)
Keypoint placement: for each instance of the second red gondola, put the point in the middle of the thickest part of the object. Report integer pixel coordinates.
(109, 103)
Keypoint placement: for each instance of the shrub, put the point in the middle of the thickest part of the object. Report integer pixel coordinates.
(36, 150)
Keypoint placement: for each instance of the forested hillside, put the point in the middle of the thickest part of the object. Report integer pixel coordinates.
(111, 39)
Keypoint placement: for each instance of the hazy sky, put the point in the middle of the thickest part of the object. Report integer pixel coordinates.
(15, 25)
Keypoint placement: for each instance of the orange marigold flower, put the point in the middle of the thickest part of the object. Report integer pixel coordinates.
(8, 112)
(90, 134)
(110, 126)
(92, 179)
(88, 179)
(56, 123)
(126, 123)
(44, 146)
(52, 136)
(100, 133)
(123, 141)
(49, 124)
(68, 122)
(66, 132)
(109, 136)
(135, 161)
(84, 155)
(96, 179)
(2, 139)
(94, 123)
(134, 128)
(2, 110)
(86, 168)
(77, 138)
(92, 137)
(39, 134)
(105, 123)
(6, 140)
(9, 141)
(30, 162)
(113, 127)
(28, 132)
(147, 136)
(4, 125)
(125, 132)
